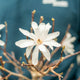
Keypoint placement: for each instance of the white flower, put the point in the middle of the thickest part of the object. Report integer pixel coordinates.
(2, 42)
(69, 47)
(39, 39)
(2, 26)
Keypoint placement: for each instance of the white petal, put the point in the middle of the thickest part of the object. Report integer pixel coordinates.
(68, 35)
(24, 43)
(70, 51)
(35, 56)
(45, 52)
(27, 33)
(69, 45)
(66, 53)
(2, 26)
(44, 29)
(42, 26)
(48, 44)
(72, 39)
(51, 47)
(2, 43)
(48, 26)
(52, 43)
(34, 25)
(28, 51)
(52, 36)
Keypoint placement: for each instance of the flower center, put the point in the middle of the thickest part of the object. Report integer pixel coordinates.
(39, 41)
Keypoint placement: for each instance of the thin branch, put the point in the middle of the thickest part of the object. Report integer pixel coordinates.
(13, 62)
(14, 74)
(71, 55)
(53, 20)
(33, 12)
(1, 61)
(41, 19)
(6, 36)
(56, 74)
(67, 74)
(26, 58)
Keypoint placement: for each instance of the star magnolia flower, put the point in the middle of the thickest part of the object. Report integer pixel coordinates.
(69, 47)
(2, 42)
(39, 39)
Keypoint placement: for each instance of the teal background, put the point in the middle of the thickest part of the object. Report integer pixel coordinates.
(17, 13)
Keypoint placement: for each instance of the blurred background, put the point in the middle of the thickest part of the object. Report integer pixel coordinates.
(17, 13)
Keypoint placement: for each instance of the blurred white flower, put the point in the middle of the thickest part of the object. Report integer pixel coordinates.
(2, 26)
(1, 42)
(39, 39)
(69, 47)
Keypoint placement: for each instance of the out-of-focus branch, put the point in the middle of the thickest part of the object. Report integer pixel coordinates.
(6, 35)
(67, 74)
(2, 63)
(14, 74)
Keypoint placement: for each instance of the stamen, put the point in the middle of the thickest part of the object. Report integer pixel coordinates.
(39, 41)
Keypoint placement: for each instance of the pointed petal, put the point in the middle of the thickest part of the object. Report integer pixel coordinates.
(2, 26)
(52, 43)
(48, 44)
(27, 33)
(35, 56)
(51, 47)
(52, 36)
(48, 26)
(2, 43)
(24, 43)
(28, 51)
(45, 52)
(34, 25)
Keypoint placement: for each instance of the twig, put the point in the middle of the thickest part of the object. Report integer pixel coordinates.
(56, 74)
(71, 55)
(33, 12)
(7, 76)
(14, 74)
(67, 74)
(78, 78)
(34, 68)
(41, 19)
(13, 62)
(53, 20)
(6, 36)
(26, 58)
(1, 61)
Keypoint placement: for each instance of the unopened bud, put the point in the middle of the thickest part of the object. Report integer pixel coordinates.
(34, 11)
(53, 19)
